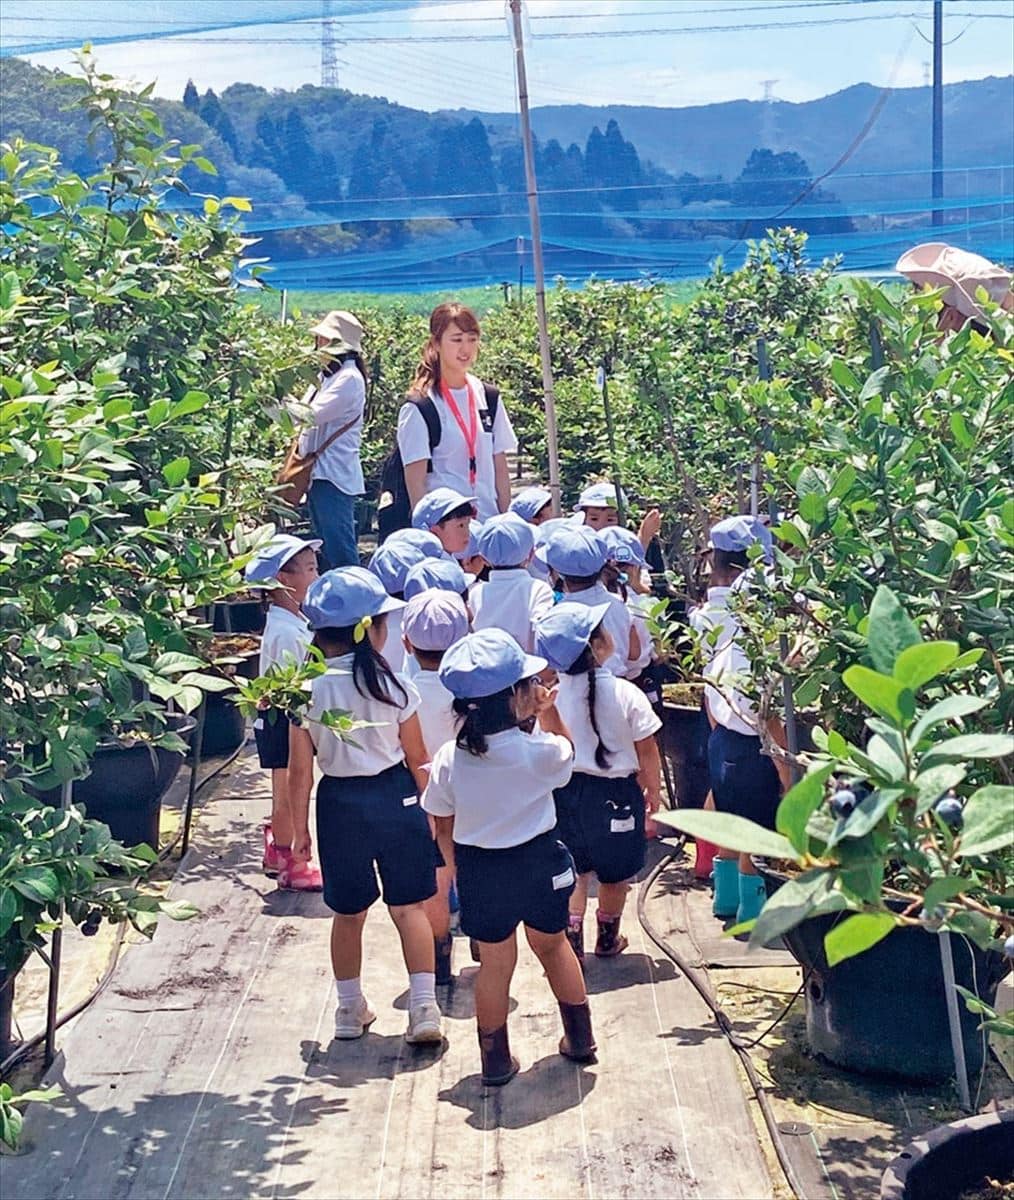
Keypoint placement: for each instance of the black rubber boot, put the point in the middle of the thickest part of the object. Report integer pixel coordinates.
(442, 949)
(575, 935)
(498, 1065)
(610, 941)
(578, 1041)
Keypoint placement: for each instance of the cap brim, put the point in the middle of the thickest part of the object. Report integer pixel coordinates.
(599, 611)
(390, 605)
(308, 544)
(533, 665)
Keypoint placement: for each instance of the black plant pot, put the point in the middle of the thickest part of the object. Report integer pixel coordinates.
(953, 1158)
(884, 1012)
(224, 725)
(7, 979)
(238, 616)
(685, 743)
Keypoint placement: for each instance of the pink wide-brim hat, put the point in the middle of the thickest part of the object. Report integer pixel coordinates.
(961, 272)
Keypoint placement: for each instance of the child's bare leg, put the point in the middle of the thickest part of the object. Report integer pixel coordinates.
(579, 896)
(612, 898)
(560, 964)
(416, 936)
(493, 983)
(347, 945)
(437, 910)
(281, 817)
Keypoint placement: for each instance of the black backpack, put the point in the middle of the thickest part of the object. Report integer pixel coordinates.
(394, 510)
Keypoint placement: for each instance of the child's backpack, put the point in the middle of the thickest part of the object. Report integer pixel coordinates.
(394, 509)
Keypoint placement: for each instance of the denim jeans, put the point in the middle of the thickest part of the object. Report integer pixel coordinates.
(333, 520)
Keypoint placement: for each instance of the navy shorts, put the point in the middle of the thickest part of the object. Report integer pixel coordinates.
(272, 738)
(743, 781)
(368, 824)
(498, 890)
(601, 821)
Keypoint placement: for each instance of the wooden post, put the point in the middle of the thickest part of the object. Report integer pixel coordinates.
(603, 381)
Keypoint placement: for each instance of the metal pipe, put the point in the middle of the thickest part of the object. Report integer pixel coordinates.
(938, 108)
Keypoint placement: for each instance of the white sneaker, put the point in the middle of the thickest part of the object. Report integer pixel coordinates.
(352, 1020)
(423, 1025)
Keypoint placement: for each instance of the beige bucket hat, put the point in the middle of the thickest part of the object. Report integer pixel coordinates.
(342, 330)
(961, 272)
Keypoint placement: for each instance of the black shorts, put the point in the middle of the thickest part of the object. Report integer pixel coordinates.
(601, 821)
(371, 823)
(743, 781)
(272, 738)
(498, 890)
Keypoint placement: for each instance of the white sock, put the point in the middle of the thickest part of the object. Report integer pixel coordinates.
(349, 991)
(422, 988)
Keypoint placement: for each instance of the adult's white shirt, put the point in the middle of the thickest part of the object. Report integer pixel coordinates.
(286, 638)
(623, 714)
(338, 399)
(513, 601)
(449, 466)
(726, 663)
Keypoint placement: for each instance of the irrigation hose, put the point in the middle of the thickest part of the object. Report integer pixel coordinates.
(23, 1051)
(741, 1048)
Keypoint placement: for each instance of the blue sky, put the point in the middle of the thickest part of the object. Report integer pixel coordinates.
(665, 52)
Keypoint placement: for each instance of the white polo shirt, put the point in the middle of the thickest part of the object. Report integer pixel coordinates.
(504, 797)
(376, 748)
(436, 714)
(617, 621)
(726, 663)
(513, 601)
(286, 638)
(624, 717)
(338, 399)
(449, 467)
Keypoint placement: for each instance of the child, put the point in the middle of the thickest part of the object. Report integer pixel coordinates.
(491, 794)
(368, 815)
(533, 504)
(447, 514)
(537, 567)
(743, 780)
(292, 563)
(599, 505)
(511, 599)
(472, 562)
(432, 622)
(623, 578)
(578, 555)
(617, 769)
(442, 573)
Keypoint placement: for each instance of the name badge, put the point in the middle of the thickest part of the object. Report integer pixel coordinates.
(486, 419)
(564, 879)
(408, 801)
(622, 825)
(259, 723)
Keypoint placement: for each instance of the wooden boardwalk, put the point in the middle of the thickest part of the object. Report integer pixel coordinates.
(207, 1068)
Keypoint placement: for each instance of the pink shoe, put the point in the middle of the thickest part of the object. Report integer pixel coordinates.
(274, 859)
(300, 877)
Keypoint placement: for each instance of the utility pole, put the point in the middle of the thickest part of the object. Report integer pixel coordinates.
(537, 267)
(328, 53)
(938, 108)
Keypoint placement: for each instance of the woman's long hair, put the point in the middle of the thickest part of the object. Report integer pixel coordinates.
(370, 670)
(427, 373)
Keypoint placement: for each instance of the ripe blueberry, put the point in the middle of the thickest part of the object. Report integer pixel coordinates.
(843, 802)
(949, 811)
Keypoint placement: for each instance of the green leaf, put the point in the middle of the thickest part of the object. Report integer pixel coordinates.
(176, 471)
(968, 659)
(37, 883)
(8, 910)
(866, 815)
(843, 483)
(943, 889)
(842, 374)
(119, 406)
(810, 483)
(988, 821)
(799, 804)
(173, 662)
(947, 709)
(874, 385)
(204, 164)
(890, 630)
(960, 430)
(971, 745)
(791, 533)
(856, 934)
(917, 665)
(732, 832)
(10, 289)
(192, 402)
(935, 782)
(794, 902)
(240, 203)
(813, 508)
(882, 693)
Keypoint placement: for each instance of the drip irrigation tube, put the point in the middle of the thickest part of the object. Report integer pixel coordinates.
(741, 1047)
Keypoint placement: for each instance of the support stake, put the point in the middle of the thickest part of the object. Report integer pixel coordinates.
(55, 954)
(954, 1021)
(195, 763)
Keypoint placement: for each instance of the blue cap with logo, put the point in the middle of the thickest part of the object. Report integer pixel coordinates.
(574, 550)
(392, 561)
(434, 620)
(442, 573)
(600, 495)
(530, 502)
(623, 546)
(344, 596)
(485, 663)
(273, 556)
(506, 540)
(435, 505)
(562, 634)
(738, 534)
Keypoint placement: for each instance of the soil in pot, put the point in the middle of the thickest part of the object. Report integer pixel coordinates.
(244, 646)
(970, 1159)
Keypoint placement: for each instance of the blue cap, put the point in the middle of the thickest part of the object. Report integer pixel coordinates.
(600, 495)
(530, 502)
(623, 546)
(272, 556)
(506, 540)
(563, 633)
(434, 620)
(485, 663)
(472, 549)
(738, 534)
(392, 561)
(435, 505)
(422, 539)
(442, 573)
(574, 550)
(344, 596)
(543, 532)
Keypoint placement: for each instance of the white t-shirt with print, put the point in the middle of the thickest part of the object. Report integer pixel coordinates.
(624, 716)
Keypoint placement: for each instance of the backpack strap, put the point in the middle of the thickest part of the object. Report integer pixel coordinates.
(428, 412)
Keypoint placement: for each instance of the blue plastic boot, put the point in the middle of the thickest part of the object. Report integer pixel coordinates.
(726, 875)
(752, 895)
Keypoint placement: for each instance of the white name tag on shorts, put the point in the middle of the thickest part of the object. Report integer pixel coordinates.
(409, 800)
(259, 723)
(622, 825)
(564, 879)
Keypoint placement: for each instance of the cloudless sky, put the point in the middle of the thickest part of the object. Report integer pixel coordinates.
(663, 52)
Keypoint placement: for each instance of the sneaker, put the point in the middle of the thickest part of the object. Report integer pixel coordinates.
(424, 1025)
(352, 1020)
(296, 876)
(273, 859)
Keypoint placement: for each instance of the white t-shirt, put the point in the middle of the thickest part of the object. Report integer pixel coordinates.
(504, 797)
(624, 717)
(376, 748)
(513, 601)
(637, 605)
(617, 621)
(394, 648)
(726, 663)
(286, 636)
(436, 716)
(338, 399)
(450, 458)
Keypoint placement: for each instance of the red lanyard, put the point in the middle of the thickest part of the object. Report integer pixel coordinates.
(471, 434)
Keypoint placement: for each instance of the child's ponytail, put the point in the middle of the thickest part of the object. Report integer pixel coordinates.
(483, 716)
(586, 664)
(371, 674)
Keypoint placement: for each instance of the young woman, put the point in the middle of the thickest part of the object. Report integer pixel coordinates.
(491, 792)
(475, 434)
(368, 815)
(617, 770)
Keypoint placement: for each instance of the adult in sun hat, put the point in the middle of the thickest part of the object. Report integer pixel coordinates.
(336, 404)
(961, 273)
